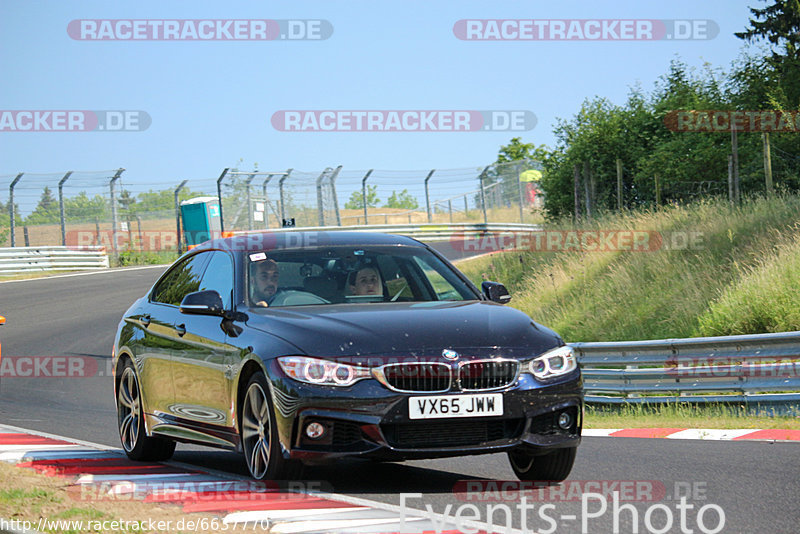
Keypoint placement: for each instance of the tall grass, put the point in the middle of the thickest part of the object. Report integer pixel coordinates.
(626, 295)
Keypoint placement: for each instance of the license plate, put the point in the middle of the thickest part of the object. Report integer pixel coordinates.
(442, 406)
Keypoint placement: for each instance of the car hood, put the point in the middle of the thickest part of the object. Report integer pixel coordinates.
(411, 329)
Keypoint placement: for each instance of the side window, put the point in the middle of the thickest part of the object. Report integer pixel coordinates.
(219, 276)
(183, 279)
(443, 288)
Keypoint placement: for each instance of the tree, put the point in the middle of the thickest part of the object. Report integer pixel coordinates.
(403, 200)
(47, 211)
(779, 24)
(356, 200)
(511, 159)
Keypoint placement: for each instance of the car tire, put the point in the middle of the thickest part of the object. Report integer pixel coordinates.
(551, 467)
(130, 421)
(259, 433)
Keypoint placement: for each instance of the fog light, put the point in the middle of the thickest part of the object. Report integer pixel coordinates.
(565, 420)
(315, 430)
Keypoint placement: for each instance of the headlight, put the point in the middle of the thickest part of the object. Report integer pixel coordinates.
(555, 362)
(322, 372)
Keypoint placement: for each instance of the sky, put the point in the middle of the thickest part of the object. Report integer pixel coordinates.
(211, 103)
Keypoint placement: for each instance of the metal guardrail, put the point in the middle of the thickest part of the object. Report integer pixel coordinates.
(429, 232)
(757, 368)
(51, 258)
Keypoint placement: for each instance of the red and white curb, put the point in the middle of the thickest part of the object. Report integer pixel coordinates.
(106, 473)
(745, 434)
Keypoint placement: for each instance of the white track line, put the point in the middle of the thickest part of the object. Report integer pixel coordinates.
(89, 273)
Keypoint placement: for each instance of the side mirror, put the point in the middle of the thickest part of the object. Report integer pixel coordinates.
(202, 303)
(495, 292)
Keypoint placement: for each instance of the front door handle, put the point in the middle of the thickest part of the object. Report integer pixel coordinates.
(180, 329)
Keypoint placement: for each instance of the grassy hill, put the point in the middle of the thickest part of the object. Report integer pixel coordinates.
(711, 270)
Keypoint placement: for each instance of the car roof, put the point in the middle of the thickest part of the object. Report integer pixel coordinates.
(260, 241)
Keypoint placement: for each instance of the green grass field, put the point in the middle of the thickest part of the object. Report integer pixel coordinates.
(739, 276)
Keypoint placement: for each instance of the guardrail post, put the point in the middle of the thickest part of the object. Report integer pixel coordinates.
(483, 194)
(280, 190)
(178, 216)
(320, 212)
(219, 197)
(11, 213)
(249, 202)
(364, 195)
(61, 208)
(111, 186)
(333, 193)
(427, 195)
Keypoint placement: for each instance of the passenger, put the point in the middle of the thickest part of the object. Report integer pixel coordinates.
(264, 283)
(366, 281)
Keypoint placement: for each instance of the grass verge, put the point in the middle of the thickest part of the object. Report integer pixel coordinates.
(683, 415)
(28, 496)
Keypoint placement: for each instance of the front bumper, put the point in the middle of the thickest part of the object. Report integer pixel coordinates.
(368, 420)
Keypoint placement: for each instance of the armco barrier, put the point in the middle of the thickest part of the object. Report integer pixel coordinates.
(757, 368)
(423, 232)
(31, 259)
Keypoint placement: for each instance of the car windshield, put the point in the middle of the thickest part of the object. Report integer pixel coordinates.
(336, 275)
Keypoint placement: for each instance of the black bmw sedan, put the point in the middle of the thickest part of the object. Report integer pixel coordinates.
(297, 348)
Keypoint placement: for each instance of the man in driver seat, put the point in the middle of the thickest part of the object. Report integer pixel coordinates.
(264, 282)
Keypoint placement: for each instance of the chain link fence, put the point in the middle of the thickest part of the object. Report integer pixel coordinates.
(80, 208)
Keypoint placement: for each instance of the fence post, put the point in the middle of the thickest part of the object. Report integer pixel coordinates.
(450, 208)
(266, 202)
(219, 197)
(658, 190)
(11, 207)
(249, 202)
(364, 195)
(427, 196)
(25, 234)
(587, 189)
(280, 192)
(178, 216)
(335, 198)
(521, 194)
(730, 179)
(735, 150)
(111, 185)
(61, 208)
(320, 211)
(768, 164)
(619, 184)
(139, 227)
(576, 186)
(97, 231)
(483, 195)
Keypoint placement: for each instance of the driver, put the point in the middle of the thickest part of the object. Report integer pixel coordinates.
(264, 284)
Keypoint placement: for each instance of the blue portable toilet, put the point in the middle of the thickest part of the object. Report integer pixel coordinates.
(201, 220)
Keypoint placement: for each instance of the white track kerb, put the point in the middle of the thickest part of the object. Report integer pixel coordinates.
(241, 501)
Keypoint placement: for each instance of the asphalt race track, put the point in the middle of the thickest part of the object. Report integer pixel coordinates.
(756, 485)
